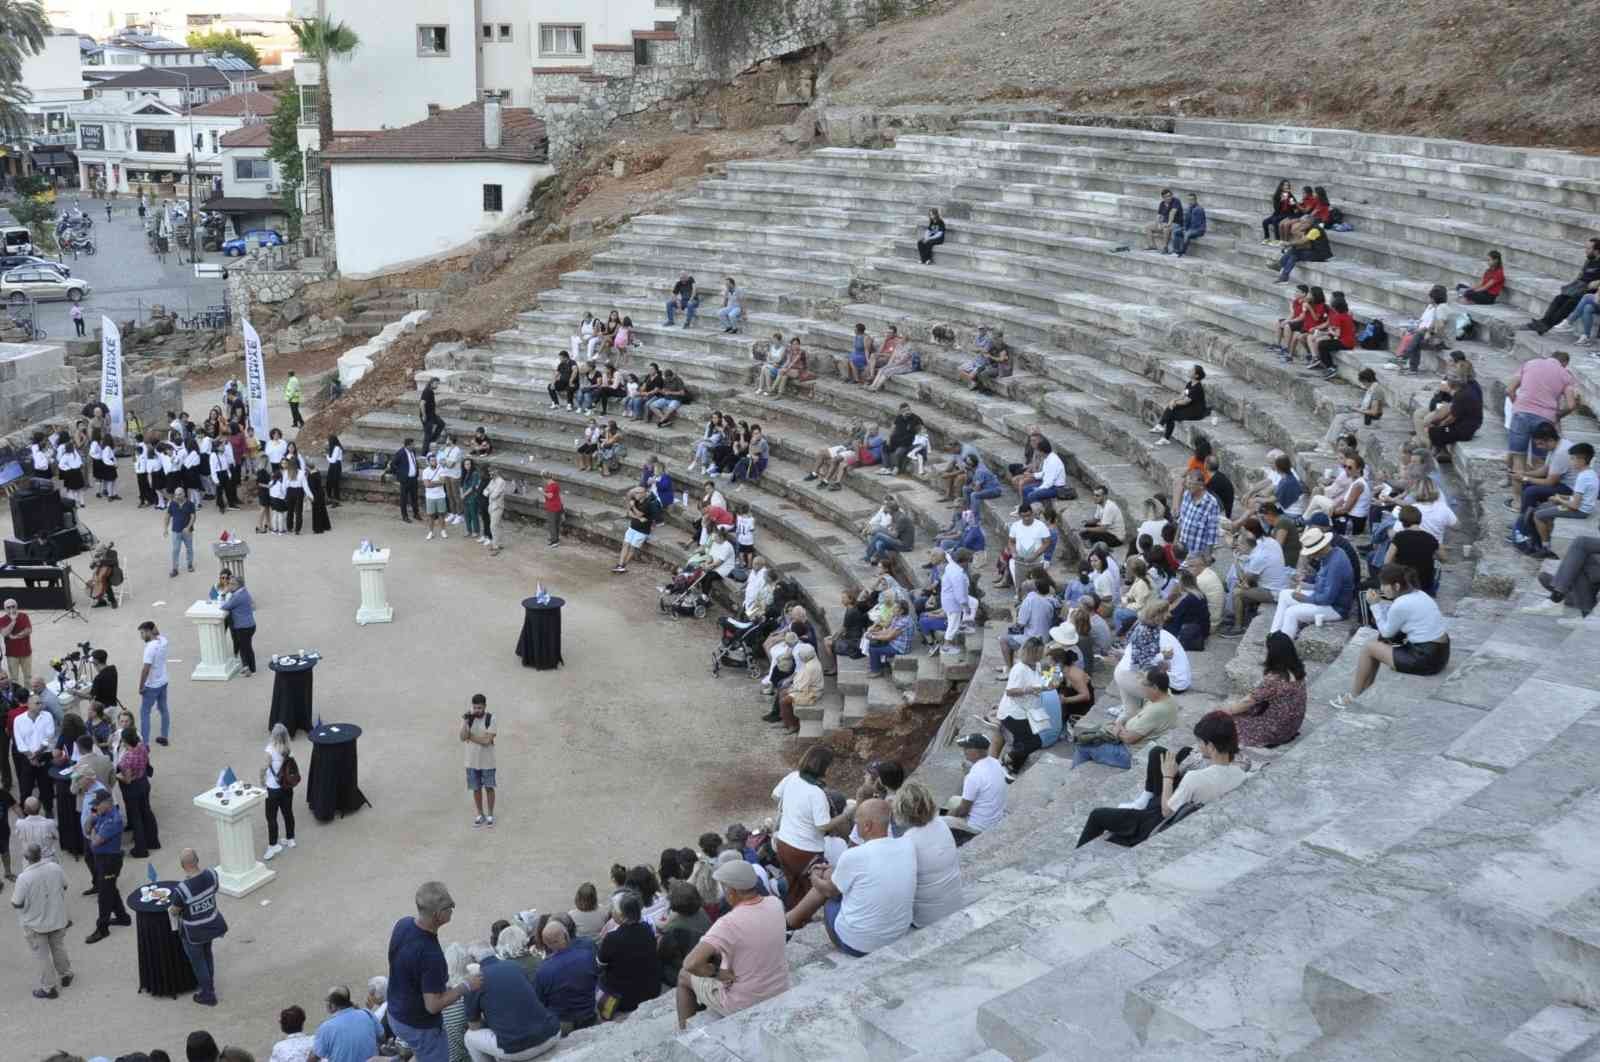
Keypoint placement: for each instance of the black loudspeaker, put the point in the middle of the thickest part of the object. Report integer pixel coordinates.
(35, 513)
(66, 542)
(32, 551)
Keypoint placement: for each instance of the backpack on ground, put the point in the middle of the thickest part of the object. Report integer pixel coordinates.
(1373, 336)
(1464, 326)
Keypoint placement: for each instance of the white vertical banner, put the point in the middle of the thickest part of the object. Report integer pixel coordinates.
(111, 374)
(255, 381)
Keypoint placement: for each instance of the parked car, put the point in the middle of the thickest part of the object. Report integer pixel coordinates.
(43, 285)
(234, 248)
(9, 262)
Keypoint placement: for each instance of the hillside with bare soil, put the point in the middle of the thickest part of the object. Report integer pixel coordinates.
(1514, 72)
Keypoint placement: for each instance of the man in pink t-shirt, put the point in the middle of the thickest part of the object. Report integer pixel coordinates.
(748, 942)
(1543, 390)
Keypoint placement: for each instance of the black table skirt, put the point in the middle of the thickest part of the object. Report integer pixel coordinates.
(539, 645)
(332, 782)
(291, 699)
(68, 826)
(164, 969)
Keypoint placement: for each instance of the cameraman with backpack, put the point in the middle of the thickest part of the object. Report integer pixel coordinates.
(279, 776)
(477, 732)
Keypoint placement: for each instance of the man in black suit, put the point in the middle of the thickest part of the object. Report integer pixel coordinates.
(403, 466)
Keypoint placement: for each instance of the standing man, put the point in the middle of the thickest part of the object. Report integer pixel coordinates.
(1199, 514)
(432, 424)
(16, 629)
(955, 586)
(198, 920)
(418, 977)
(403, 466)
(104, 686)
(105, 841)
(291, 395)
(495, 495)
(40, 898)
(1029, 538)
(34, 735)
(76, 313)
(153, 682)
(639, 526)
(234, 599)
(477, 732)
(179, 524)
(36, 830)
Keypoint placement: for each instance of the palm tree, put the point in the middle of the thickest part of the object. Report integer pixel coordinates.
(322, 39)
(23, 28)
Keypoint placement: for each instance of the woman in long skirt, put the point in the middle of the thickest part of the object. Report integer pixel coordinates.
(319, 503)
(335, 470)
(294, 489)
(107, 467)
(70, 461)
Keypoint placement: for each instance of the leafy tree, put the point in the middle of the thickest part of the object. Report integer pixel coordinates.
(285, 151)
(324, 40)
(23, 28)
(229, 43)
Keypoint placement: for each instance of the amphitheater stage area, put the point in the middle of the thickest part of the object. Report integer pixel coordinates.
(632, 746)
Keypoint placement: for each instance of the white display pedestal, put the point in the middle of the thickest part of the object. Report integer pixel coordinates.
(217, 662)
(231, 555)
(239, 872)
(375, 606)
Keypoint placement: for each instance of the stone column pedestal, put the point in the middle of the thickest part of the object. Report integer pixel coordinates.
(239, 872)
(375, 607)
(231, 555)
(217, 662)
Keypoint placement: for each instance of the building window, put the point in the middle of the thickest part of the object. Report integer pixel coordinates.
(488, 32)
(504, 31)
(252, 170)
(492, 199)
(560, 40)
(214, 144)
(164, 141)
(433, 40)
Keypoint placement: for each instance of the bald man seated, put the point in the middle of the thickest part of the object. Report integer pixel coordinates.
(866, 899)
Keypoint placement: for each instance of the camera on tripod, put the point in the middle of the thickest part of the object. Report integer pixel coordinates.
(75, 664)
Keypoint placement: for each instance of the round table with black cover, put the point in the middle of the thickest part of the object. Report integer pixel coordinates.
(539, 645)
(68, 826)
(291, 695)
(164, 969)
(331, 782)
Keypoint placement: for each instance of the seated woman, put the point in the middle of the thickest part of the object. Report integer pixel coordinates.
(932, 236)
(1337, 333)
(589, 445)
(1021, 715)
(1489, 286)
(612, 449)
(480, 446)
(1190, 619)
(1164, 794)
(1192, 406)
(630, 970)
(1065, 679)
(993, 362)
(794, 368)
(887, 640)
(1142, 653)
(1432, 332)
(1272, 714)
(1135, 594)
(1411, 633)
(853, 624)
(1349, 513)
(900, 362)
(711, 437)
(1313, 316)
(803, 690)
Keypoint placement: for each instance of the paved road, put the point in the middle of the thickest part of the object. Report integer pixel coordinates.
(126, 277)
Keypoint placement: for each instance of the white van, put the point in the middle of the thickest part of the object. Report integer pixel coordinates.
(17, 240)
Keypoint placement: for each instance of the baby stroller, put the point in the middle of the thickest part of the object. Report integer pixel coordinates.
(740, 646)
(687, 594)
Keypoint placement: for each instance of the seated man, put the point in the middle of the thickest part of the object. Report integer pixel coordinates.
(746, 942)
(1331, 597)
(1036, 615)
(1575, 584)
(982, 802)
(1192, 228)
(867, 900)
(1156, 716)
(899, 537)
(683, 298)
(1537, 524)
(981, 485)
(1169, 216)
(1107, 525)
(953, 473)
(565, 983)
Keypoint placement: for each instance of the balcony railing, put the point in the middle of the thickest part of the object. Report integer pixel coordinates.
(66, 139)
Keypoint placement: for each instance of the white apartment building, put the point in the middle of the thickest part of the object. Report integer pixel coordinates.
(54, 81)
(144, 143)
(421, 56)
(171, 18)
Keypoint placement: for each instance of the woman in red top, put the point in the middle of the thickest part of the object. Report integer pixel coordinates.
(1283, 206)
(1490, 287)
(553, 509)
(1314, 209)
(1337, 333)
(1312, 317)
(1297, 309)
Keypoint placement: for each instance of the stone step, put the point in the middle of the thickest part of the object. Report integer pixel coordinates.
(617, 270)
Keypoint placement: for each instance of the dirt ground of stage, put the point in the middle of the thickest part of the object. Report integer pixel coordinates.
(631, 747)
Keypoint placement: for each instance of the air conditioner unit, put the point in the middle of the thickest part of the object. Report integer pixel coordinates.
(272, 186)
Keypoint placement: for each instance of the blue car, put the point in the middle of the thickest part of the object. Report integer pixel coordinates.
(234, 248)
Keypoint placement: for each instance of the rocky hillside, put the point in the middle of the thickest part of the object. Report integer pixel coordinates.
(1521, 71)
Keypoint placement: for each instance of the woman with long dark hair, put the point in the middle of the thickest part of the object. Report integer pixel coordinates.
(932, 236)
(1272, 713)
(1192, 406)
(1283, 208)
(294, 491)
(335, 469)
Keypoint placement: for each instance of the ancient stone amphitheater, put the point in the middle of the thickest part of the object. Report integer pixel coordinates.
(1416, 878)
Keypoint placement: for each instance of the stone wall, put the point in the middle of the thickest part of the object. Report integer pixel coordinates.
(39, 384)
(706, 51)
(264, 282)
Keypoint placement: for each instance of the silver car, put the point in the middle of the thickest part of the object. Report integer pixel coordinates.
(42, 285)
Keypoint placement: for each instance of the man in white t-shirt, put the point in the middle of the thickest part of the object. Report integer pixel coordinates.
(982, 802)
(450, 457)
(867, 900)
(153, 682)
(1107, 526)
(1052, 476)
(1029, 537)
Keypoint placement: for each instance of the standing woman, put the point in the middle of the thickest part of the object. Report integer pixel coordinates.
(278, 495)
(803, 820)
(70, 461)
(275, 447)
(142, 452)
(219, 472)
(193, 474)
(471, 497)
(450, 455)
(263, 501)
(94, 463)
(280, 797)
(319, 502)
(294, 491)
(335, 469)
(107, 467)
(932, 237)
(41, 453)
(164, 476)
(133, 772)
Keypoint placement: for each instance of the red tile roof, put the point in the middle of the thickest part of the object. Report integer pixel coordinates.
(256, 134)
(256, 103)
(455, 135)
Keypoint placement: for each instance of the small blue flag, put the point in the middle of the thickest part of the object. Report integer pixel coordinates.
(318, 724)
(227, 778)
(150, 872)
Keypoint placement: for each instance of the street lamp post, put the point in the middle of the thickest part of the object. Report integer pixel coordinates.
(194, 236)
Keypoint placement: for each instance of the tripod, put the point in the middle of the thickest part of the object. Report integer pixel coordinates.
(72, 607)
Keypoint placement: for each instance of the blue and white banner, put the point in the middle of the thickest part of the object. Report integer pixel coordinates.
(255, 381)
(111, 375)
